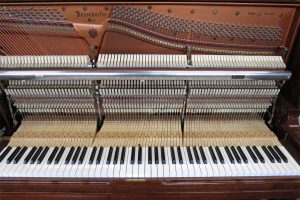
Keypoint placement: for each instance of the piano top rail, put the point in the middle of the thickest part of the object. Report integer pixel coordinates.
(143, 74)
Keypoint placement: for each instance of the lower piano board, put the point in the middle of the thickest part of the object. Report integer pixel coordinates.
(93, 188)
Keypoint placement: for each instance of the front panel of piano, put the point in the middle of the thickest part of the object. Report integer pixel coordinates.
(177, 98)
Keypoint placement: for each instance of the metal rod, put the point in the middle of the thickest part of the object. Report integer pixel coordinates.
(144, 74)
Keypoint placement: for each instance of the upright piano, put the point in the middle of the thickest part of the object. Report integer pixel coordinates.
(144, 100)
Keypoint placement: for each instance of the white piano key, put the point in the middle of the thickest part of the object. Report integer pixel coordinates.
(144, 161)
(153, 165)
(187, 169)
(160, 168)
(148, 166)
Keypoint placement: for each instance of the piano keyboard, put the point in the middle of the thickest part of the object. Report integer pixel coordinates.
(147, 162)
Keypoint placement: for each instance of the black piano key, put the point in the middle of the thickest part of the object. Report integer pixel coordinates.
(163, 156)
(282, 156)
(173, 156)
(100, 152)
(179, 155)
(36, 155)
(229, 155)
(69, 156)
(122, 160)
(203, 155)
(260, 157)
(76, 154)
(149, 155)
(42, 156)
(254, 158)
(109, 156)
(190, 155)
(92, 157)
(116, 157)
(196, 155)
(132, 155)
(81, 157)
(52, 155)
(240, 150)
(236, 155)
(274, 154)
(5, 152)
(156, 155)
(28, 157)
(213, 156)
(140, 155)
(219, 155)
(13, 155)
(59, 155)
(271, 158)
(20, 154)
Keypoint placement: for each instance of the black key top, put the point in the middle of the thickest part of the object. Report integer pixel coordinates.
(179, 155)
(219, 155)
(190, 155)
(203, 155)
(28, 157)
(69, 156)
(92, 157)
(173, 156)
(229, 155)
(140, 155)
(42, 156)
(20, 154)
(236, 155)
(5, 152)
(254, 158)
(52, 155)
(149, 155)
(271, 158)
(36, 155)
(132, 155)
(58, 157)
(12, 156)
(274, 154)
(110, 151)
(262, 160)
(74, 159)
(240, 150)
(213, 156)
(100, 152)
(282, 156)
(116, 155)
(163, 157)
(156, 155)
(123, 156)
(196, 155)
(81, 157)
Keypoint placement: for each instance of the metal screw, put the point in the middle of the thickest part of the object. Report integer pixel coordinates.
(237, 12)
(170, 10)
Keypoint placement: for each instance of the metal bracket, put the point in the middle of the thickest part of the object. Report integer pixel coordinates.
(189, 56)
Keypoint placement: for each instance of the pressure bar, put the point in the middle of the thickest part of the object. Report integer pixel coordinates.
(143, 74)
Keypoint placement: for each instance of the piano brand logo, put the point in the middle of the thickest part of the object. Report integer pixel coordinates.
(81, 14)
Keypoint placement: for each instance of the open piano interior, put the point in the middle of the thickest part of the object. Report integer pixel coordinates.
(175, 99)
